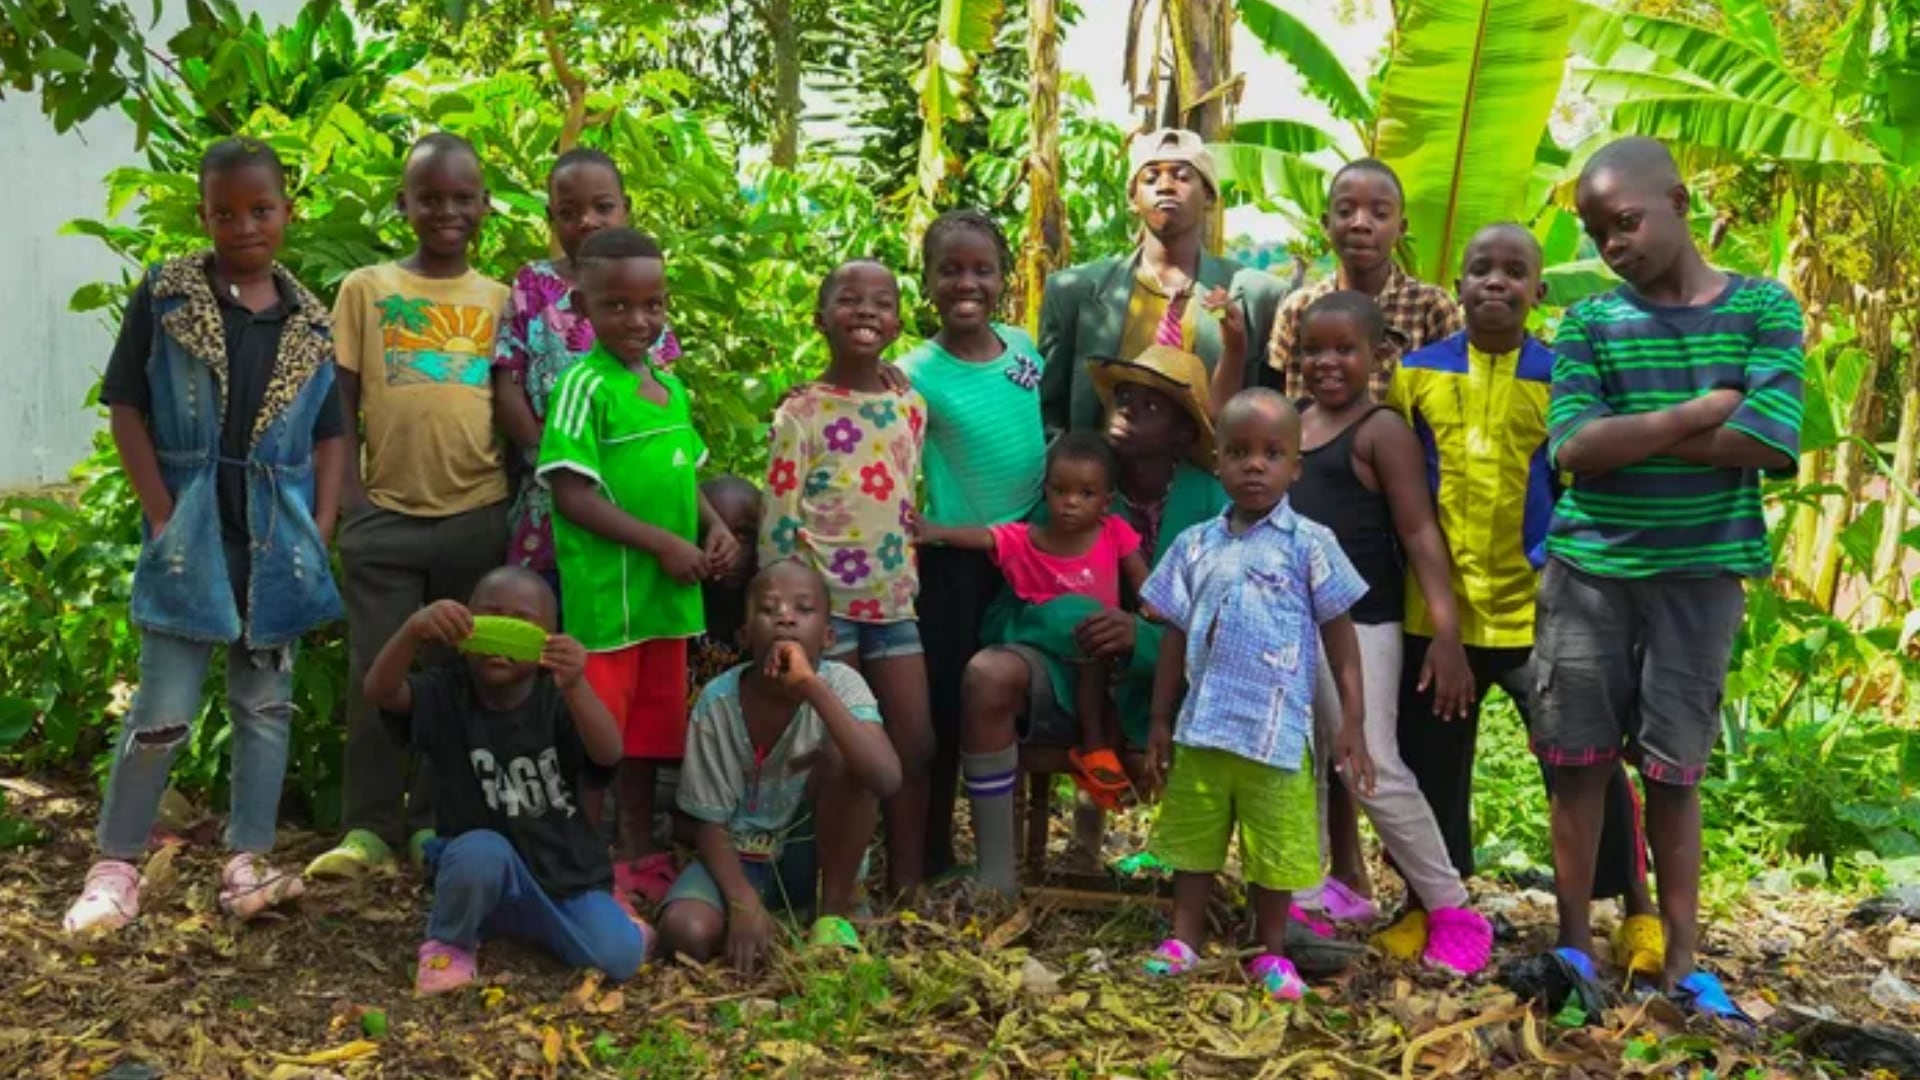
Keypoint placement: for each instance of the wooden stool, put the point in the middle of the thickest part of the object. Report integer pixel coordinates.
(1040, 764)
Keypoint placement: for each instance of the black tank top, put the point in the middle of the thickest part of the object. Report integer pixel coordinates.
(1331, 493)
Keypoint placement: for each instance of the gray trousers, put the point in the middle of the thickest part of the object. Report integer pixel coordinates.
(394, 565)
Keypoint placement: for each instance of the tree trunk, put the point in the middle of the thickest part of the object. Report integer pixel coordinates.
(785, 33)
(1201, 89)
(1888, 587)
(1047, 245)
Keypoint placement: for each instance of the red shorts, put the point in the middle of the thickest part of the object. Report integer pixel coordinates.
(644, 686)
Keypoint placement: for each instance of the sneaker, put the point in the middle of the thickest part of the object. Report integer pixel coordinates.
(1460, 941)
(1276, 975)
(1337, 901)
(249, 886)
(1640, 945)
(1172, 957)
(1406, 938)
(108, 901)
(359, 851)
(444, 967)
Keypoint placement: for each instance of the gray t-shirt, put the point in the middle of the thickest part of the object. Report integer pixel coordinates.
(758, 793)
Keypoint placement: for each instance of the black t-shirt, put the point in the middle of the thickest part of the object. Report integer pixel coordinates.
(515, 772)
(253, 343)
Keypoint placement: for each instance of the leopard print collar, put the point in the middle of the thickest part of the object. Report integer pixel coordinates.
(306, 340)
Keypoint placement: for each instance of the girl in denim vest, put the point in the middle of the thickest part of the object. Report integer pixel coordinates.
(225, 415)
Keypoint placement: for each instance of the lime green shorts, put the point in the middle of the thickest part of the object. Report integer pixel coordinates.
(1209, 790)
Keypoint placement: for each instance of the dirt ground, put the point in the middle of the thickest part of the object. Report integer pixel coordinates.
(325, 990)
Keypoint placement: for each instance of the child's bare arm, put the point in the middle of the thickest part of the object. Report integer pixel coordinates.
(1390, 447)
(1615, 442)
(513, 411)
(329, 465)
(866, 748)
(580, 501)
(1134, 571)
(1727, 448)
(353, 491)
(1169, 675)
(445, 621)
(134, 440)
(1350, 743)
(566, 659)
(1230, 373)
(749, 928)
(926, 532)
(722, 549)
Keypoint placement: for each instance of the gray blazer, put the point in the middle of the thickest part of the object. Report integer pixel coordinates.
(1084, 314)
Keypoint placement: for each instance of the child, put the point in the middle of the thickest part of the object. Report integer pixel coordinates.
(545, 334)
(620, 455)
(227, 326)
(1120, 306)
(1670, 395)
(1247, 598)
(1362, 477)
(845, 454)
(1479, 403)
(1364, 219)
(511, 744)
(428, 517)
(985, 456)
(779, 746)
(1076, 559)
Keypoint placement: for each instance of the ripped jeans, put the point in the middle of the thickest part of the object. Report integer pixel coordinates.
(173, 673)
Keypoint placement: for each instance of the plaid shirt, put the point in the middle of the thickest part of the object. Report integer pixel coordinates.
(1417, 315)
(1251, 606)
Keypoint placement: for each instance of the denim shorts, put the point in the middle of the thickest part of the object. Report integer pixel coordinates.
(875, 641)
(1632, 668)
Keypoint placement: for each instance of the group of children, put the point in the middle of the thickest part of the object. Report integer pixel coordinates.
(1389, 492)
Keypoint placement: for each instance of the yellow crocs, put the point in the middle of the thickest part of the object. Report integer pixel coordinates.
(1406, 939)
(1640, 945)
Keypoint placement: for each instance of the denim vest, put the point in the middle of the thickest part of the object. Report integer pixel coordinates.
(180, 585)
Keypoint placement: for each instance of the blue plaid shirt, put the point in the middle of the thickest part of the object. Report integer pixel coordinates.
(1251, 606)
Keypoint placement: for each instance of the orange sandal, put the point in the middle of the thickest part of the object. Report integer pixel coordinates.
(1101, 776)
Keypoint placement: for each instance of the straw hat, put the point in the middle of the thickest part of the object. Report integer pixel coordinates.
(1176, 373)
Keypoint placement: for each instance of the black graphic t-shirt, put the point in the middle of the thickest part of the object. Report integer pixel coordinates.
(515, 772)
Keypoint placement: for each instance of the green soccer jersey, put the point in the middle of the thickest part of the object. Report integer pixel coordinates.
(645, 458)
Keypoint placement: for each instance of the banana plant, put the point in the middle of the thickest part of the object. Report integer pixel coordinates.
(945, 84)
(1461, 116)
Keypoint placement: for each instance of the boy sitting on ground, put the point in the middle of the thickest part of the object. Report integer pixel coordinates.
(508, 742)
(775, 747)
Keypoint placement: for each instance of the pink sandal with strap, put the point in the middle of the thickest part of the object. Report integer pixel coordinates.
(649, 875)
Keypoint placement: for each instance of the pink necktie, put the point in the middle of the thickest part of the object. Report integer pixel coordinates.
(1168, 332)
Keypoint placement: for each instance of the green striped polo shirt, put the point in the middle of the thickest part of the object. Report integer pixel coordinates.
(986, 451)
(1618, 354)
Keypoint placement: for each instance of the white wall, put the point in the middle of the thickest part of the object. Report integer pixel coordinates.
(48, 355)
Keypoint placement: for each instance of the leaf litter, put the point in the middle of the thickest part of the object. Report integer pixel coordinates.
(954, 988)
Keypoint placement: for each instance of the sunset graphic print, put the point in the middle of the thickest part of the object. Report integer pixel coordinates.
(438, 344)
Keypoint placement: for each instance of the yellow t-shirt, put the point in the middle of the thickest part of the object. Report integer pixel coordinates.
(1146, 307)
(423, 349)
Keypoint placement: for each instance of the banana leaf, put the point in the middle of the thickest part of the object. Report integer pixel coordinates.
(1462, 113)
(1322, 73)
(945, 83)
(1273, 180)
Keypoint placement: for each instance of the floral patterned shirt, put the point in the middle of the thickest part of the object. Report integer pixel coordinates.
(542, 337)
(840, 487)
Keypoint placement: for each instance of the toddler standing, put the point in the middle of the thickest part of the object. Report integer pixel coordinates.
(1247, 599)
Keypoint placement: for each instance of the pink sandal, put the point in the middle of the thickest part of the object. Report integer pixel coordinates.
(649, 875)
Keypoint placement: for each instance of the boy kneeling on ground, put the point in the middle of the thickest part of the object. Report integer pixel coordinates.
(777, 748)
(510, 743)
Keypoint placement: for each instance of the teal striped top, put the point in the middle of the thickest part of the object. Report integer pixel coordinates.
(985, 455)
(1618, 354)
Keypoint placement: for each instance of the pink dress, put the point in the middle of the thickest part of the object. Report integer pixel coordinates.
(1037, 577)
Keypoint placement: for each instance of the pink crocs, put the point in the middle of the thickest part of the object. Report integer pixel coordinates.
(1459, 941)
(249, 886)
(443, 967)
(1276, 975)
(108, 901)
(1337, 901)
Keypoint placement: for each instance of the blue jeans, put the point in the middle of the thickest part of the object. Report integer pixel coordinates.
(482, 887)
(173, 671)
(874, 641)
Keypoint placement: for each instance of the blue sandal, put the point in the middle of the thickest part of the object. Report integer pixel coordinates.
(1702, 994)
